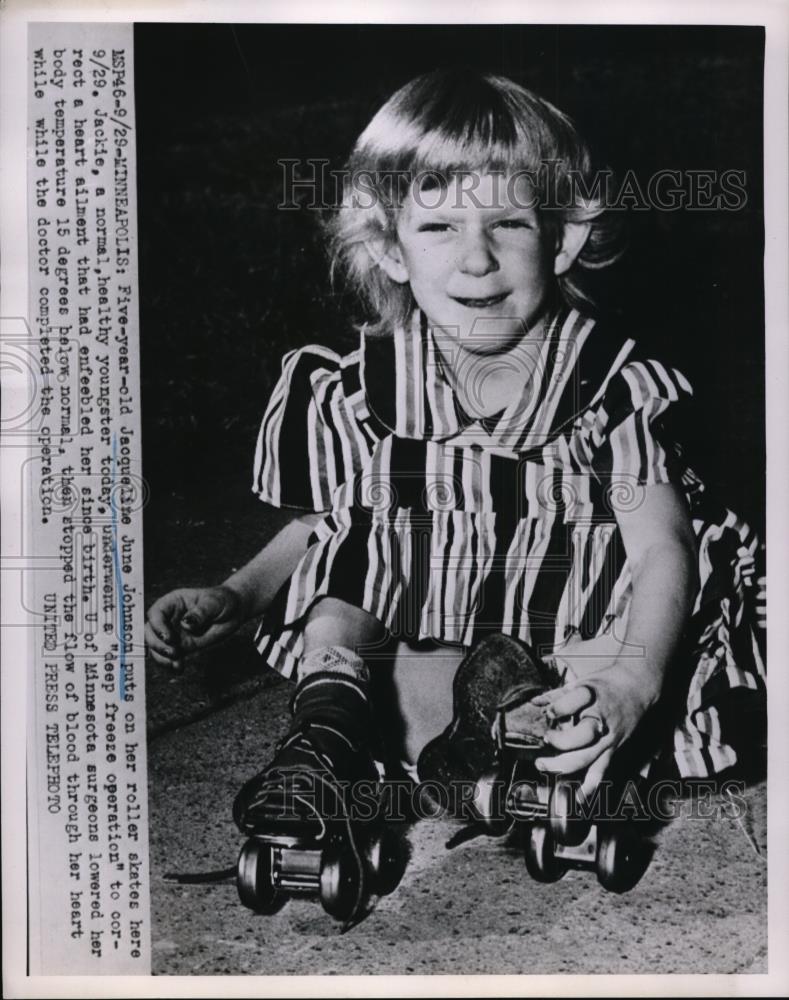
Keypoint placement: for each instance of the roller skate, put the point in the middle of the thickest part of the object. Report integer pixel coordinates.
(558, 830)
(498, 679)
(313, 814)
(494, 669)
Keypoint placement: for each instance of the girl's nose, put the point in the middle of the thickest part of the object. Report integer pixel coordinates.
(475, 255)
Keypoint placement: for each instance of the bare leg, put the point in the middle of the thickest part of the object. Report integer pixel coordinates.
(334, 623)
(422, 679)
(423, 682)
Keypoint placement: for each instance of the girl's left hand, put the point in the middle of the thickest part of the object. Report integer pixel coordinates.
(595, 715)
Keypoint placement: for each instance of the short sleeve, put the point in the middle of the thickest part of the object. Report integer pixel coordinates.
(311, 440)
(632, 434)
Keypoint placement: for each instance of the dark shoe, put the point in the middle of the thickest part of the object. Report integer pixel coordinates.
(318, 766)
(498, 670)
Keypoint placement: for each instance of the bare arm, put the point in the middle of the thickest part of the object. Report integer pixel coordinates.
(188, 619)
(660, 546)
(258, 581)
(661, 550)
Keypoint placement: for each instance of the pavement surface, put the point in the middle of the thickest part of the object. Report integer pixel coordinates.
(701, 906)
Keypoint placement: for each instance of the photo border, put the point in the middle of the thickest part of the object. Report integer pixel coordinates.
(775, 18)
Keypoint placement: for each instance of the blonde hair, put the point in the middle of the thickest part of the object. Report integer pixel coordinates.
(450, 122)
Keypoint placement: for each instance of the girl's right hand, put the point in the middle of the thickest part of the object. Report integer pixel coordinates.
(189, 619)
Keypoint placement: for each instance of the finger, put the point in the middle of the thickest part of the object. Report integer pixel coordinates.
(596, 773)
(194, 623)
(549, 697)
(156, 643)
(191, 644)
(164, 660)
(569, 763)
(207, 609)
(541, 700)
(584, 734)
(569, 701)
(159, 624)
(163, 614)
(174, 664)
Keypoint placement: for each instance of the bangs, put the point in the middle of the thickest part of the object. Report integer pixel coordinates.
(448, 123)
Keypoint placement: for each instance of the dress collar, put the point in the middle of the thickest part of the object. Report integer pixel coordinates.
(407, 389)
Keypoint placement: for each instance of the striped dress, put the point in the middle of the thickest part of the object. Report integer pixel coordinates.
(445, 527)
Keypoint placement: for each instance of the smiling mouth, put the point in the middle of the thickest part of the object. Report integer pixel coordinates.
(491, 300)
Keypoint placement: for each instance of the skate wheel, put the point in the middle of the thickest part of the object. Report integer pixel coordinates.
(384, 858)
(621, 859)
(489, 795)
(339, 882)
(567, 827)
(253, 879)
(541, 862)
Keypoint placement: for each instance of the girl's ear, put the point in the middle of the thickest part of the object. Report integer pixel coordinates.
(387, 255)
(574, 235)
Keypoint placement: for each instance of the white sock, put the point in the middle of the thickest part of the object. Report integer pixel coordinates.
(334, 660)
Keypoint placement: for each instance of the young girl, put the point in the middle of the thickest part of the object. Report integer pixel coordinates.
(489, 460)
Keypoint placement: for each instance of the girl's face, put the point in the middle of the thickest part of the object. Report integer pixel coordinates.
(478, 261)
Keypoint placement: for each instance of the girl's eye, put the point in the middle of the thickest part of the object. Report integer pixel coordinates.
(514, 224)
(433, 227)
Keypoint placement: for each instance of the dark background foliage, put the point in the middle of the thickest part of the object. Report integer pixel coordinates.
(229, 282)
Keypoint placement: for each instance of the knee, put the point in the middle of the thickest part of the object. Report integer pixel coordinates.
(332, 622)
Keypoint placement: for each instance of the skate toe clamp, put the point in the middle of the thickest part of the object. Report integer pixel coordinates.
(559, 831)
